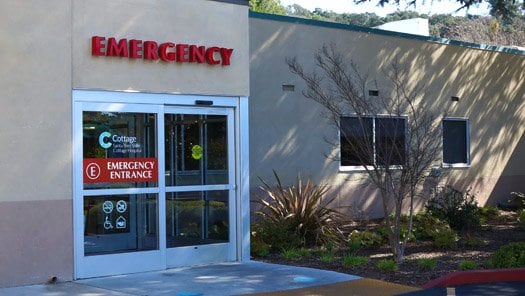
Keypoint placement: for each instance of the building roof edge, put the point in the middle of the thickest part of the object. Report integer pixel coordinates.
(240, 2)
(289, 19)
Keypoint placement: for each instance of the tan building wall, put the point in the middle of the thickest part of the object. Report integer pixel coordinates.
(46, 52)
(287, 131)
(35, 155)
(200, 22)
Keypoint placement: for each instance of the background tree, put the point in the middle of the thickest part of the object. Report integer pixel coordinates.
(267, 6)
(505, 9)
(398, 152)
(502, 7)
(486, 30)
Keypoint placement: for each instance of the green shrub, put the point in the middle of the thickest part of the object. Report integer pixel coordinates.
(472, 242)
(488, 213)
(509, 256)
(467, 265)
(427, 226)
(445, 238)
(387, 265)
(382, 231)
(365, 238)
(517, 200)
(351, 261)
(302, 208)
(521, 219)
(295, 254)
(459, 209)
(278, 236)
(354, 245)
(257, 246)
(427, 263)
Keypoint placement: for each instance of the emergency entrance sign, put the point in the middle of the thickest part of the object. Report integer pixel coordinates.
(113, 170)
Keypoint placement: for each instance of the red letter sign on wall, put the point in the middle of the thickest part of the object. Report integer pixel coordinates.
(167, 51)
(112, 170)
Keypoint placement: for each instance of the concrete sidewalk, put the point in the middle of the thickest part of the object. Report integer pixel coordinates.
(218, 279)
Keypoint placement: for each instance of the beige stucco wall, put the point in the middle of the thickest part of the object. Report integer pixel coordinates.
(198, 22)
(45, 54)
(35, 154)
(287, 131)
(35, 92)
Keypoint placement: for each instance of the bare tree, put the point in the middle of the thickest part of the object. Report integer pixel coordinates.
(386, 133)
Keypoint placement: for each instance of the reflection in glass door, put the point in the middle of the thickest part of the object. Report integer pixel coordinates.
(198, 158)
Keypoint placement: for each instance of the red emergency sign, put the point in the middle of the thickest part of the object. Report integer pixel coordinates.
(112, 170)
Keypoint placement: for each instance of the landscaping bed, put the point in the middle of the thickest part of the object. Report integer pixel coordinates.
(423, 260)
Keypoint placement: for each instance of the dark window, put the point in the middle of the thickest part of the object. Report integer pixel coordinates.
(365, 140)
(455, 141)
(356, 141)
(390, 141)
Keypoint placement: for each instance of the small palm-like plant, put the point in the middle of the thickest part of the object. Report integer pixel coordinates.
(301, 208)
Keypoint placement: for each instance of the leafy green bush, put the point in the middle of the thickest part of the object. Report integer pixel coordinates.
(365, 238)
(467, 265)
(278, 236)
(487, 213)
(459, 209)
(354, 245)
(351, 261)
(301, 209)
(382, 231)
(295, 254)
(509, 256)
(521, 219)
(517, 200)
(427, 226)
(387, 265)
(427, 263)
(445, 238)
(472, 242)
(257, 246)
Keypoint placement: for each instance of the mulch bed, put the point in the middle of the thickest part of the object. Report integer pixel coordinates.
(496, 233)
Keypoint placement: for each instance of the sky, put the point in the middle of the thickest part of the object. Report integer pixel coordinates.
(427, 7)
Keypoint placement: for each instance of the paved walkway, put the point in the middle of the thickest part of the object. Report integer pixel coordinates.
(253, 278)
(218, 279)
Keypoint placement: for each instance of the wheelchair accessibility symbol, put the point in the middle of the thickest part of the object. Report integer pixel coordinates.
(107, 224)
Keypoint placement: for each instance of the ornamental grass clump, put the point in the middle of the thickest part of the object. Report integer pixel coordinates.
(427, 263)
(387, 265)
(302, 209)
(353, 261)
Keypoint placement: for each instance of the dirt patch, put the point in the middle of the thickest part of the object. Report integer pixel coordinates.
(492, 235)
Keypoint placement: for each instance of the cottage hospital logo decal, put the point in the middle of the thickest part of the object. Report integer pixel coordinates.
(120, 143)
(102, 140)
(120, 169)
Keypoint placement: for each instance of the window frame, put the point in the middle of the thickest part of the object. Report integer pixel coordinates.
(467, 143)
(354, 168)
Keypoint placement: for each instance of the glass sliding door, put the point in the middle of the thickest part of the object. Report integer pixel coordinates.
(199, 185)
(154, 186)
(119, 190)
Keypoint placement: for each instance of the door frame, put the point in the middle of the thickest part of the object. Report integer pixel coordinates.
(103, 265)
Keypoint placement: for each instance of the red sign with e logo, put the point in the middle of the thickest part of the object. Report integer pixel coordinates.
(113, 170)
